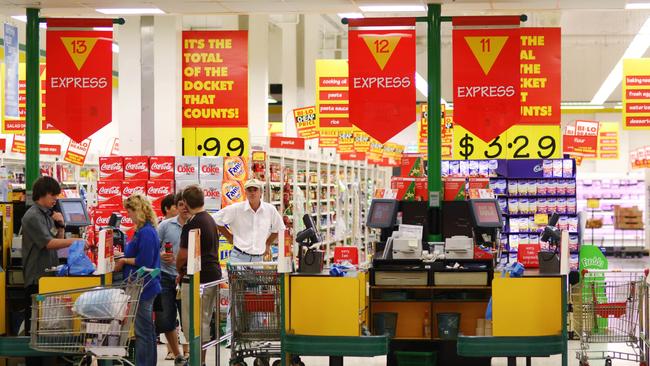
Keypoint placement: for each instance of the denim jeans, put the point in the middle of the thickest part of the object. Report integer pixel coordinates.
(239, 257)
(166, 319)
(145, 335)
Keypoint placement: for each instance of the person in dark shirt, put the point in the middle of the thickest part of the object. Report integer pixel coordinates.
(194, 200)
(143, 251)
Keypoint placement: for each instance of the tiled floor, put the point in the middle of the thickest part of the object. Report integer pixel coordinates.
(380, 361)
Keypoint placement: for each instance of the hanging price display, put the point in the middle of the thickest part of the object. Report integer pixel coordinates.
(518, 142)
(215, 141)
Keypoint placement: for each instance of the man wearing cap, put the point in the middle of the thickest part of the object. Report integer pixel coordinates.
(253, 225)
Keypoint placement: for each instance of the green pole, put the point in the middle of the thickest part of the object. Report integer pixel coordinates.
(433, 75)
(32, 86)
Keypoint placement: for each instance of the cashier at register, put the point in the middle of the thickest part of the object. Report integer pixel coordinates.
(43, 231)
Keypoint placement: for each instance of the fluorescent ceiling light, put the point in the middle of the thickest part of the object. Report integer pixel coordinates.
(584, 106)
(634, 6)
(115, 48)
(636, 49)
(271, 100)
(350, 15)
(391, 8)
(102, 28)
(125, 11)
(23, 18)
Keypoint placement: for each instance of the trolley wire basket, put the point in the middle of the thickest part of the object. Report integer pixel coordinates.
(611, 307)
(93, 321)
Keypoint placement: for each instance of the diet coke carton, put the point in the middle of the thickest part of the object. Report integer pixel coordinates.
(111, 168)
(212, 193)
(211, 168)
(161, 168)
(157, 190)
(182, 184)
(127, 226)
(187, 168)
(136, 167)
(109, 195)
(132, 187)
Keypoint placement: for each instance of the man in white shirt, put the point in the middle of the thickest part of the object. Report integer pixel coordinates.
(253, 225)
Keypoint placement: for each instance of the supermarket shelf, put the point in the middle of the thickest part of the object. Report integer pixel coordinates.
(526, 215)
(275, 183)
(530, 232)
(541, 196)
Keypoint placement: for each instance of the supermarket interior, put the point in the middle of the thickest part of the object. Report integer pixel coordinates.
(260, 182)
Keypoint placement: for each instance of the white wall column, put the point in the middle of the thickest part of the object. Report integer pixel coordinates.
(311, 45)
(289, 78)
(258, 79)
(167, 84)
(129, 88)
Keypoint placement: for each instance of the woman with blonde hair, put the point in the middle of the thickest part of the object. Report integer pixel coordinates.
(143, 251)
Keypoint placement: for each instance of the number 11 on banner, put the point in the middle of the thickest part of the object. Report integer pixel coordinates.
(215, 141)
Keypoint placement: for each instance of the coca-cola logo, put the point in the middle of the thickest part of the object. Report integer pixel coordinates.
(114, 190)
(187, 169)
(159, 191)
(111, 166)
(210, 169)
(131, 190)
(161, 166)
(102, 220)
(136, 166)
(211, 193)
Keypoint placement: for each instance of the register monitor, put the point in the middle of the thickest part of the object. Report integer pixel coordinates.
(486, 213)
(74, 212)
(382, 213)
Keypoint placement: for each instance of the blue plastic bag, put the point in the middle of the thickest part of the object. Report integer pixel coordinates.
(488, 311)
(78, 262)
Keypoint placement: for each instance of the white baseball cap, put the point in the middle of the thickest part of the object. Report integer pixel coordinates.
(254, 183)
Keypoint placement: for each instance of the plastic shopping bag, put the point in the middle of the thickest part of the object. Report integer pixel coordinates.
(78, 261)
(102, 304)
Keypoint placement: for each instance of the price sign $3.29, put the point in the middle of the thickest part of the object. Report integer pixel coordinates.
(519, 142)
(215, 141)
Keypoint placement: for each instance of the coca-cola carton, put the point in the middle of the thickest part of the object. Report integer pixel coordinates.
(161, 168)
(127, 226)
(111, 168)
(101, 217)
(187, 168)
(109, 195)
(136, 167)
(132, 187)
(159, 215)
(211, 168)
(212, 193)
(157, 190)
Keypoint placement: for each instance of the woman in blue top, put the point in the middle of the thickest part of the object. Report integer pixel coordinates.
(143, 251)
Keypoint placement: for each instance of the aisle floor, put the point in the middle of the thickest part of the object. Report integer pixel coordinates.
(381, 361)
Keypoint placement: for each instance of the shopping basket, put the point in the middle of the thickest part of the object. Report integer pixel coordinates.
(89, 322)
(610, 306)
(255, 310)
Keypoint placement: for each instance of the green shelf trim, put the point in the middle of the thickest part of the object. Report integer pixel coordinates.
(542, 346)
(367, 346)
(19, 347)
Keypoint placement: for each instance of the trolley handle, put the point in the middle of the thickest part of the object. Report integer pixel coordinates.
(645, 271)
(253, 264)
(153, 272)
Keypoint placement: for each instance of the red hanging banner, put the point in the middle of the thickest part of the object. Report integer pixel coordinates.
(281, 142)
(486, 75)
(382, 75)
(80, 83)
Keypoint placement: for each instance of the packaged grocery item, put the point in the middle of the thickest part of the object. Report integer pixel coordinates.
(136, 168)
(493, 165)
(454, 189)
(531, 187)
(563, 224)
(532, 205)
(212, 193)
(157, 190)
(542, 185)
(412, 166)
(513, 206)
(533, 239)
(571, 187)
(513, 224)
(161, 168)
(444, 168)
(571, 207)
(573, 224)
(111, 168)
(523, 225)
(232, 191)
(547, 168)
(211, 168)
(523, 206)
(478, 183)
(109, 195)
(561, 205)
(551, 205)
(532, 227)
(132, 187)
(573, 242)
(514, 241)
(557, 168)
(513, 188)
(454, 168)
(464, 168)
(101, 217)
(561, 187)
(523, 239)
(236, 168)
(414, 189)
(503, 204)
(551, 187)
(567, 168)
(542, 206)
(473, 168)
(187, 168)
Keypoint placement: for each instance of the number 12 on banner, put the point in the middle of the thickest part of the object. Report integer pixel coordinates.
(215, 141)
(518, 142)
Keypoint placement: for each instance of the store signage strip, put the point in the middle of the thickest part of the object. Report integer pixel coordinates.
(518, 142)
(215, 141)
(636, 93)
(11, 71)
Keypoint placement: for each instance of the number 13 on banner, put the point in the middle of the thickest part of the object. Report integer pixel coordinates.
(215, 141)
(518, 142)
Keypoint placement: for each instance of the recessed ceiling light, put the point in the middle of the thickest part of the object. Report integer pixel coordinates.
(350, 15)
(634, 6)
(23, 18)
(130, 11)
(391, 8)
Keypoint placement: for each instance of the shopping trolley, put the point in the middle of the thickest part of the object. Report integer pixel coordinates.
(89, 322)
(610, 306)
(255, 310)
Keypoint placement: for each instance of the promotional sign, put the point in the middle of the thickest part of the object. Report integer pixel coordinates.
(46, 149)
(636, 93)
(215, 78)
(306, 122)
(345, 141)
(279, 142)
(16, 125)
(353, 156)
(581, 139)
(76, 152)
(332, 95)
(18, 144)
(115, 147)
(11, 70)
(376, 152)
(79, 85)
(361, 141)
(518, 142)
(608, 140)
(486, 75)
(446, 132)
(215, 141)
(541, 75)
(381, 77)
(423, 129)
(329, 137)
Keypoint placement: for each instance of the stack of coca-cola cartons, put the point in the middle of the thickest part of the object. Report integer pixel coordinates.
(161, 181)
(136, 175)
(109, 190)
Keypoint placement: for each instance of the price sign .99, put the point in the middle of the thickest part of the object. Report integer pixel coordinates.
(215, 141)
(518, 142)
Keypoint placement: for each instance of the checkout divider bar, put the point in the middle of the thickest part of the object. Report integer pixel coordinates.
(220, 338)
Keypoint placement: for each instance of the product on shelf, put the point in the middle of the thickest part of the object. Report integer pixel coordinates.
(187, 168)
(161, 167)
(211, 168)
(157, 190)
(212, 193)
(132, 187)
(136, 167)
(111, 168)
(109, 194)
(236, 168)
